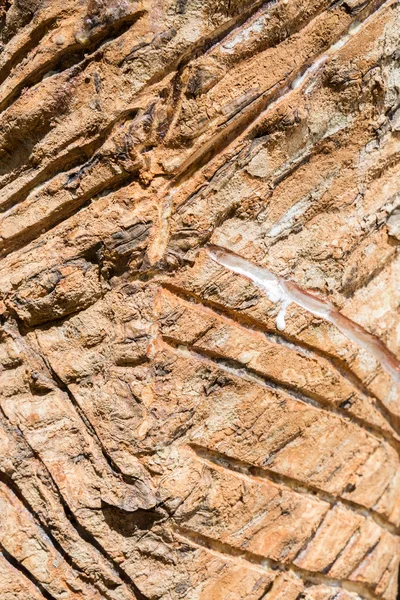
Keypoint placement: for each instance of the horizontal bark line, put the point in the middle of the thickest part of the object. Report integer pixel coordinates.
(261, 474)
(375, 432)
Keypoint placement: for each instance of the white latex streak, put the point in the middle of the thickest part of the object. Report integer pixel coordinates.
(286, 292)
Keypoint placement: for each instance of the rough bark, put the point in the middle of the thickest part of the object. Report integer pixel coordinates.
(160, 437)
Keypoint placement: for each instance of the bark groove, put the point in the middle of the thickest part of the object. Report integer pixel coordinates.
(162, 437)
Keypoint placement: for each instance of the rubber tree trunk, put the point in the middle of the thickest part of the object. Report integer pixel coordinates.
(162, 434)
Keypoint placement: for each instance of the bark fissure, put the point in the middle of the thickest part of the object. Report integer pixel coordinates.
(278, 337)
(261, 562)
(263, 473)
(169, 431)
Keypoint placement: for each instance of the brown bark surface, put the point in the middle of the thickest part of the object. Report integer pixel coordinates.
(160, 437)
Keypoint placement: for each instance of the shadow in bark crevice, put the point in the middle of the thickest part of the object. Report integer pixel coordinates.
(128, 524)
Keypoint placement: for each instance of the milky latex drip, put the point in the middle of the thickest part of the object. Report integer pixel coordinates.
(285, 292)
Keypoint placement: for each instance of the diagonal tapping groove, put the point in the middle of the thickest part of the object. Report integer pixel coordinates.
(178, 442)
(74, 158)
(263, 474)
(238, 555)
(282, 338)
(242, 372)
(286, 291)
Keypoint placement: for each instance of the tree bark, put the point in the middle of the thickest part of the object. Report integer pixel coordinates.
(163, 435)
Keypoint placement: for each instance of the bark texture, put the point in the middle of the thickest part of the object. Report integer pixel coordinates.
(160, 437)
